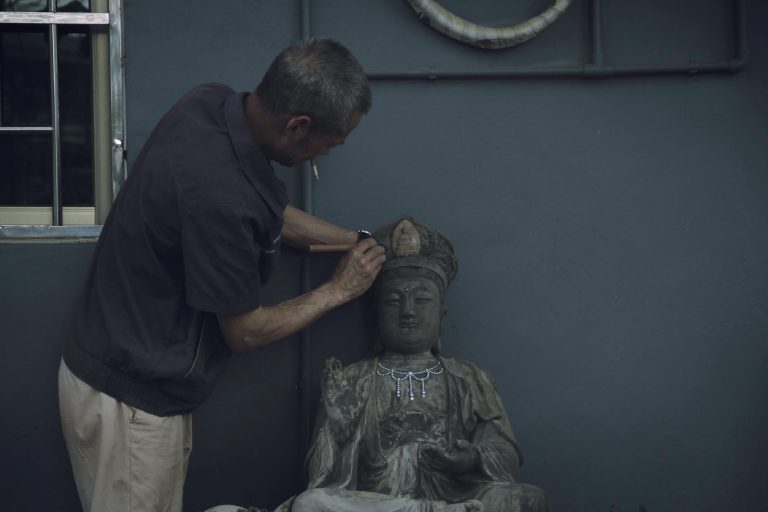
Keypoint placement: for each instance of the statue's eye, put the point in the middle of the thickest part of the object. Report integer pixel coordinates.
(391, 301)
(423, 300)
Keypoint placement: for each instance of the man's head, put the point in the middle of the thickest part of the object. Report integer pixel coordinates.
(315, 93)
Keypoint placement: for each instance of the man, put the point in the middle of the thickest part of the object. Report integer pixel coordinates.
(174, 284)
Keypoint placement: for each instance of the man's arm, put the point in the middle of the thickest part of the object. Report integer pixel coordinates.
(267, 324)
(301, 229)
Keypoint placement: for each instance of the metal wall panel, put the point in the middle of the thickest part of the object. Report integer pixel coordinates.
(612, 236)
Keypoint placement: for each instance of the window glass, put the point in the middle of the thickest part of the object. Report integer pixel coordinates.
(24, 5)
(37, 159)
(73, 5)
(76, 116)
(27, 170)
(42, 5)
(24, 76)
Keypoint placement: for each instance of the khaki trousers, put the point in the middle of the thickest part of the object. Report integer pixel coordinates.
(123, 459)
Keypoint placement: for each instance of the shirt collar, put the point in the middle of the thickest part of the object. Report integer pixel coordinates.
(256, 167)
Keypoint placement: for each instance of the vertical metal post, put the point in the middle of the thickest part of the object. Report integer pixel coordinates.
(58, 210)
(305, 21)
(102, 119)
(306, 173)
(306, 284)
(117, 92)
(597, 34)
(742, 49)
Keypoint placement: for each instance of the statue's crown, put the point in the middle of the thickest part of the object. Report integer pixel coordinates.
(411, 243)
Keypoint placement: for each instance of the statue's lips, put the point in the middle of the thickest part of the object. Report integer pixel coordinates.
(407, 325)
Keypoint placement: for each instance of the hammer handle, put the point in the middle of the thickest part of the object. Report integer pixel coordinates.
(330, 247)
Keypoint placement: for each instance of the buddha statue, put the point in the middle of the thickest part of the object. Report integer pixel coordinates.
(410, 429)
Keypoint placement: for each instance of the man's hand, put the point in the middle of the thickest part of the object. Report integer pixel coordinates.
(267, 324)
(462, 459)
(357, 270)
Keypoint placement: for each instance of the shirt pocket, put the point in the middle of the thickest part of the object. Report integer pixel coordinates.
(270, 244)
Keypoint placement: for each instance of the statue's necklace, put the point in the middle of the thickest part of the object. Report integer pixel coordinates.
(400, 375)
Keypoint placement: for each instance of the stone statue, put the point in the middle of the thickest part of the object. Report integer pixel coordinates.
(409, 429)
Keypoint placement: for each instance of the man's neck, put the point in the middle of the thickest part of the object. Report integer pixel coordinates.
(261, 123)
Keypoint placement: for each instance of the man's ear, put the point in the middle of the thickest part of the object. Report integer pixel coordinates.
(298, 126)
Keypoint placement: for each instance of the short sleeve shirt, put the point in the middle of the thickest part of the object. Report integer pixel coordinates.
(195, 231)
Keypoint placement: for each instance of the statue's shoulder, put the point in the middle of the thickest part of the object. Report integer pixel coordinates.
(468, 371)
(335, 367)
(337, 376)
(460, 365)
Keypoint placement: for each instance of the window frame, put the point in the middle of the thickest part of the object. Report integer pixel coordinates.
(109, 131)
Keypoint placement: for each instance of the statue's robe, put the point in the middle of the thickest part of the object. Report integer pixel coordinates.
(350, 468)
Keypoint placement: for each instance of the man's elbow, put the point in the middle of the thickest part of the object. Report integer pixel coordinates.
(233, 331)
(238, 333)
(236, 345)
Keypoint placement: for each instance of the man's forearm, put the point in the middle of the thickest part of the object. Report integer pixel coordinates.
(302, 229)
(264, 325)
(267, 324)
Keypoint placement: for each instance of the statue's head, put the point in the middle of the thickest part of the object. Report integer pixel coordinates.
(409, 293)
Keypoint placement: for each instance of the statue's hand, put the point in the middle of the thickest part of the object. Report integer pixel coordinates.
(462, 458)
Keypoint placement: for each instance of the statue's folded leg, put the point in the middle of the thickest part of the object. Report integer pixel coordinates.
(513, 497)
(335, 499)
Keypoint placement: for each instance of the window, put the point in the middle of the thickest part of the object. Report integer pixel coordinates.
(62, 133)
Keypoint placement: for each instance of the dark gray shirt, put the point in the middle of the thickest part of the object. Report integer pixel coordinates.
(194, 232)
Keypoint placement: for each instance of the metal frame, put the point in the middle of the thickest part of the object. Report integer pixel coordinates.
(53, 57)
(305, 335)
(593, 69)
(114, 21)
(16, 234)
(117, 94)
(19, 129)
(596, 68)
(55, 18)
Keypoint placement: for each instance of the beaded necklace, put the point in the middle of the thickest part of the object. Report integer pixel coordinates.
(400, 375)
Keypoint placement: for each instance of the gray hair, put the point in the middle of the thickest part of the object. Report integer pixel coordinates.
(319, 78)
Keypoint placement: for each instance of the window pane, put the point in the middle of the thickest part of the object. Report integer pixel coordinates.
(76, 116)
(26, 170)
(24, 76)
(24, 5)
(73, 5)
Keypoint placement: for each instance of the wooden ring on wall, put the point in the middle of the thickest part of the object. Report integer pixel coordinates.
(482, 36)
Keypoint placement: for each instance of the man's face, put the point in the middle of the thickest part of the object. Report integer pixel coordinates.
(409, 313)
(301, 145)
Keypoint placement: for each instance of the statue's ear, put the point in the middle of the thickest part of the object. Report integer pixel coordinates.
(439, 344)
(438, 347)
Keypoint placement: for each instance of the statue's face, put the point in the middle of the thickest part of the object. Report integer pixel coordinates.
(409, 313)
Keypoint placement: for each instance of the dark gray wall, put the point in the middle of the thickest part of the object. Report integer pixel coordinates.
(614, 245)
(38, 286)
(612, 236)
